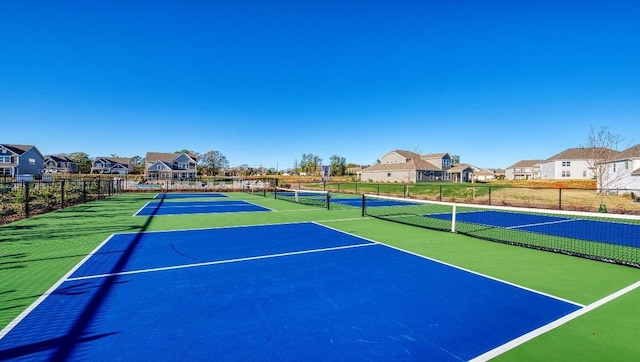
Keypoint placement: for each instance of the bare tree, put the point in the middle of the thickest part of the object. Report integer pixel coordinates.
(602, 145)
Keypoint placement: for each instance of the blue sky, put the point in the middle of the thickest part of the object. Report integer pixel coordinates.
(264, 82)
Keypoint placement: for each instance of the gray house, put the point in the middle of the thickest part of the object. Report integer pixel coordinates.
(170, 166)
(59, 164)
(20, 160)
(111, 165)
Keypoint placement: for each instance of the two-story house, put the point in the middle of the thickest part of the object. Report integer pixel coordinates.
(623, 173)
(170, 166)
(59, 164)
(524, 170)
(574, 163)
(20, 160)
(111, 165)
(407, 166)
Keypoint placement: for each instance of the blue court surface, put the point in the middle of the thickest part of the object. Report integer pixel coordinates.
(276, 292)
(371, 202)
(188, 195)
(584, 229)
(198, 207)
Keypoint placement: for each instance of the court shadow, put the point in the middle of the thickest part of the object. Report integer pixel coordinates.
(61, 348)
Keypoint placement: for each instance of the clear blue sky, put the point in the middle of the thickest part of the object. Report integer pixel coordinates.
(265, 81)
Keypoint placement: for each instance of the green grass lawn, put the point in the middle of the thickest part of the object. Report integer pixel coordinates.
(37, 252)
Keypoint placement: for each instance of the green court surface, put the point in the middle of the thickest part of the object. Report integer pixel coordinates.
(37, 252)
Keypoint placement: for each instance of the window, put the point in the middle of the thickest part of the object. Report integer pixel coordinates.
(6, 171)
(584, 174)
(566, 173)
(5, 159)
(566, 163)
(389, 174)
(32, 161)
(446, 162)
(158, 167)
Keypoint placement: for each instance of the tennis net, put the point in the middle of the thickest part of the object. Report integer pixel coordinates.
(607, 237)
(306, 197)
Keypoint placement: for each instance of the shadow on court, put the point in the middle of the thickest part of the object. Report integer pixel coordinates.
(63, 346)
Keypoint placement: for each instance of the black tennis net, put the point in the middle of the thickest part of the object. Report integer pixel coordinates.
(306, 197)
(607, 237)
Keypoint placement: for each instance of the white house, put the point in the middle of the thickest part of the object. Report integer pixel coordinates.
(623, 172)
(524, 170)
(574, 163)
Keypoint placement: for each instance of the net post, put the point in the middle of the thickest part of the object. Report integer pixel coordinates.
(364, 205)
(328, 202)
(453, 219)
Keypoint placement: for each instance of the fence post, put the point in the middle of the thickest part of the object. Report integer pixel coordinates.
(559, 199)
(84, 191)
(489, 195)
(99, 189)
(378, 189)
(62, 194)
(356, 187)
(26, 199)
(440, 194)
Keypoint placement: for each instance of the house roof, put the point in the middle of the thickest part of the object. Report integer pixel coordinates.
(629, 153)
(17, 149)
(58, 158)
(461, 167)
(582, 153)
(165, 157)
(121, 160)
(525, 163)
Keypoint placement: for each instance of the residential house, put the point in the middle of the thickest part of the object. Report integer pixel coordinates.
(20, 160)
(59, 164)
(111, 165)
(463, 173)
(524, 170)
(170, 166)
(574, 163)
(406, 166)
(623, 173)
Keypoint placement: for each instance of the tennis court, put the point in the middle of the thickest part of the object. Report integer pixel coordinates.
(198, 207)
(290, 285)
(188, 195)
(574, 228)
(274, 291)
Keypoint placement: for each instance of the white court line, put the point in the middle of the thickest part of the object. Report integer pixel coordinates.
(193, 265)
(555, 324)
(460, 268)
(541, 223)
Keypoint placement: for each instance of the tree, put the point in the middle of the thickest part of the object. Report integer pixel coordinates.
(338, 165)
(138, 165)
(310, 163)
(602, 145)
(83, 161)
(214, 162)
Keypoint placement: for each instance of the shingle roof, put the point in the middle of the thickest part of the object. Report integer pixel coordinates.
(525, 163)
(582, 153)
(120, 160)
(629, 153)
(163, 156)
(19, 149)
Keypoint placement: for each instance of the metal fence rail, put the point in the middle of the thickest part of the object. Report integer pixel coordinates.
(20, 200)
